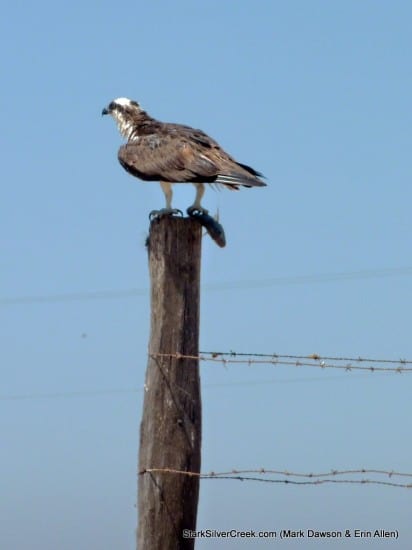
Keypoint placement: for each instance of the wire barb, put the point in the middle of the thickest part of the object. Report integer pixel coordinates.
(264, 475)
(347, 364)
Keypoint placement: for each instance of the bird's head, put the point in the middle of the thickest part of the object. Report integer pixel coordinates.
(126, 113)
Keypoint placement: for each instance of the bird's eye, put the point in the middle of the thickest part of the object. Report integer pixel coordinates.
(112, 106)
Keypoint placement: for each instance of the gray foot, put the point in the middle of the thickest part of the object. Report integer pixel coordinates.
(164, 212)
(195, 211)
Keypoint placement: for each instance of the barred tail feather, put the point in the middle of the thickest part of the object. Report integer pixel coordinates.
(235, 179)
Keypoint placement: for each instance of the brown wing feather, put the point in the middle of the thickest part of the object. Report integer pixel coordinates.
(177, 153)
(166, 158)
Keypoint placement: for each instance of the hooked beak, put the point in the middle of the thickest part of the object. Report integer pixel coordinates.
(105, 111)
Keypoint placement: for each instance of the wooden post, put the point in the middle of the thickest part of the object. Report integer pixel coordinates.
(170, 431)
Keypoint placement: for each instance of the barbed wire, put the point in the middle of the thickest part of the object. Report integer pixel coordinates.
(286, 473)
(288, 477)
(313, 360)
(313, 356)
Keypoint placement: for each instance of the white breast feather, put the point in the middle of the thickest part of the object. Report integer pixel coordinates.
(125, 126)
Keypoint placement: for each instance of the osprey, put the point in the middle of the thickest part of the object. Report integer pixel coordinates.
(174, 153)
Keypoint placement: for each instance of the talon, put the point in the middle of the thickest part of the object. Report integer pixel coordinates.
(195, 211)
(164, 212)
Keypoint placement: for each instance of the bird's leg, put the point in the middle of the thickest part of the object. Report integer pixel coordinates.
(196, 207)
(167, 190)
(168, 211)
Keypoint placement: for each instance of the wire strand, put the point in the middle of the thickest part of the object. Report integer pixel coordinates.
(313, 360)
(223, 285)
(311, 478)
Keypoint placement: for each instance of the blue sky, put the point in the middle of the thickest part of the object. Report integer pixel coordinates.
(316, 95)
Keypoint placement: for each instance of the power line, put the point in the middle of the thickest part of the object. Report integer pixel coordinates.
(67, 394)
(100, 393)
(224, 285)
(347, 364)
(74, 297)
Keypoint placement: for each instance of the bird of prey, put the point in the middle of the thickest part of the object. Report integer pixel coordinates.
(174, 153)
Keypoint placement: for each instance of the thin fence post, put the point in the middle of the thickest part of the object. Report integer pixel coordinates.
(170, 431)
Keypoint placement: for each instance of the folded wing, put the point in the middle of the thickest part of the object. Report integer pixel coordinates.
(182, 154)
